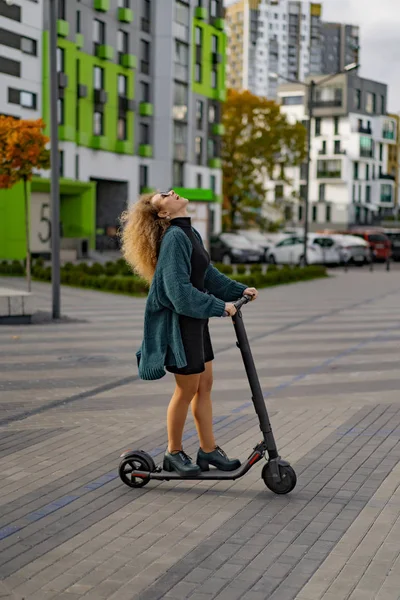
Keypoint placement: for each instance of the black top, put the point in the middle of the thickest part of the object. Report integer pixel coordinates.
(200, 258)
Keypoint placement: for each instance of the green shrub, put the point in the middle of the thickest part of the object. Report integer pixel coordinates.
(96, 269)
(272, 268)
(226, 269)
(241, 269)
(256, 268)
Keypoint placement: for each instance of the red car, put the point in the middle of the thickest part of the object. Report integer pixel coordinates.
(380, 244)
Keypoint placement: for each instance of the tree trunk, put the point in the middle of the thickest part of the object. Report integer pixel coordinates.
(27, 234)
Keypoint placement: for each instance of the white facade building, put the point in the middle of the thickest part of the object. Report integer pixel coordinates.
(350, 139)
(266, 37)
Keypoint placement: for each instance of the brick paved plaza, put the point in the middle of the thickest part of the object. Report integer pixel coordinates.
(327, 354)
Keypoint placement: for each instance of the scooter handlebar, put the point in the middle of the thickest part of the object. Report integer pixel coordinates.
(239, 303)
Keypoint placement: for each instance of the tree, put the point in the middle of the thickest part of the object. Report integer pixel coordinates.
(257, 138)
(22, 150)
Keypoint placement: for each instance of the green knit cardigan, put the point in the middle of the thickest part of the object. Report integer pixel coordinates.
(172, 294)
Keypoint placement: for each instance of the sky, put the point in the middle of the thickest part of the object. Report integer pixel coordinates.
(379, 22)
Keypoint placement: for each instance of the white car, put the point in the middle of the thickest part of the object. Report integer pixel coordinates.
(321, 249)
(352, 249)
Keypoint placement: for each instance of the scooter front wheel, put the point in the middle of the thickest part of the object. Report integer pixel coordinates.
(136, 461)
(285, 485)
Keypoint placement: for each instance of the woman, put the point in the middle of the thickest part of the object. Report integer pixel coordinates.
(161, 246)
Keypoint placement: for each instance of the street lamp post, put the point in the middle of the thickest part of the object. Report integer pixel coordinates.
(55, 159)
(310, 104)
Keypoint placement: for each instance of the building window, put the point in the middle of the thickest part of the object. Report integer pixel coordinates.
(300, 215)
(370, 104)
(180, 141)
(355, 170)
(214, 78)
(146, 19)
(98, 78)
(380, 152)
(197, 73)
(212, 113)
(321, 192)
(122, 85)
(329, 168)
(60, 60)
(383, 105)
(366, 147)
(198, 36)
(199, 181)
(199, 114)
(213, 8)
(386, 192)
(181, 60)
(199, 150)
(292, 100)
(144, 91)
(98, 123)
(328, 214)
(60, 111)
(78, 21)
(182, 13)
(77, 167)
(122, 130)
(337, 149)
(145, 57)
(144, 133)
(28, 100)
(99, 32)
(213, 183)
(357, 99)
(28, 46)
(278, 192)
(214, 44)
(368, 194)
(123, 42)
(314, 214)
(367, 172)
(323, 149)
(61, 10)
(211, 148)
(318, 126)
(302, 192)
(61, 162)
(180, 107)
(123, 3)
(177, 174)
(143, 177)
(336, 125)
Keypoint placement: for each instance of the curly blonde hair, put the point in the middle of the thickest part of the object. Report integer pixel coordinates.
(141, 235)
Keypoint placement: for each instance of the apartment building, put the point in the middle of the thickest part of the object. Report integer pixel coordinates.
(140, 85)
(351, 139)
(270, 37)
(340, 46)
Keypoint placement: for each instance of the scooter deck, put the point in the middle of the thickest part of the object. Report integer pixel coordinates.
(212, 474)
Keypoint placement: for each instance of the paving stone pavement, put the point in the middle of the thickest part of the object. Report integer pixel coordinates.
(70, 402)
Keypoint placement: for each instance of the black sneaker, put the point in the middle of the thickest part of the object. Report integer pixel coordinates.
(218, 459)
(181, 463)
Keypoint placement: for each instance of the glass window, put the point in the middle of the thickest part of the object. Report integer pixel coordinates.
(60, 111)
(328, 213)
(144, 133)
(122, 129)
(355, 170)
(366, 147)
(368, 194)
(28, 46)
(122, 85)
(199, 180)
(337, 149)
(370, 104)
(78, 21)
(199, 113)
(336, 125)
(213, 8)
(99, 32)
(214, 44)
(98, 123)
(27, 99)
(61, 10)
(367, 172)
(198, 36)
(147, 9)
(144, 91)
(197, 73)
(357, 98)
(145, 57)
(199, 149)
(182, 13)
(318, 126)
(383, 105)
(177, 174)
(211, 148)
(213, 183)
(214, 78)
(60, 60)
(123, 41)
(123, 3)
(314, 213)
(179, 110)
(321, 192)
(181, 53)
(61, 162)
(292, 100)
(381, 152)
(143, 177)
(98, 78)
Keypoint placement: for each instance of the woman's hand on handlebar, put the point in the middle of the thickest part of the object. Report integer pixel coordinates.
(251, 292)
(230, 309)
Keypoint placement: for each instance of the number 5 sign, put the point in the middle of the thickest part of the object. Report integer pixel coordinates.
(40, 223)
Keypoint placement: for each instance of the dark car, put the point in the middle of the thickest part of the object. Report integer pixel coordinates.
(234, 248)
(394, 237)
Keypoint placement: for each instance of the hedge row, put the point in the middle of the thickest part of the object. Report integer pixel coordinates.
(85, 276)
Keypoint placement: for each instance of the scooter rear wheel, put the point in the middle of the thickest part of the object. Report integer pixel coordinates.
(137, 461)
(285, 485)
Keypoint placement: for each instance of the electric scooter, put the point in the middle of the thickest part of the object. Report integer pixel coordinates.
(137, 467)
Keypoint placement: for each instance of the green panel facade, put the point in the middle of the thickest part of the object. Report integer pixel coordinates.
(12, 223)
(204, 87)
(78, 112)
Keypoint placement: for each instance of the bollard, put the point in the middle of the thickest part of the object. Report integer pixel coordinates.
(346, 266)
(388, 264)
(371, 264)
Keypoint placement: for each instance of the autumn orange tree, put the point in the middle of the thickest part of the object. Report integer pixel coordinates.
(22, 151)
(257, 138)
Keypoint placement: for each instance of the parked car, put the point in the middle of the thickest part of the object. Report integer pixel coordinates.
(379, 242)
(234, 248)
(352, 249)
(320, 250)
(394, 237)
(259, 239)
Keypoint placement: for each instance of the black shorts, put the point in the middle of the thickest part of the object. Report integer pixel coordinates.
(197, 345)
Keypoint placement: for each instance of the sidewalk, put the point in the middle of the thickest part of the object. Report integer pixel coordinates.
(327, 355)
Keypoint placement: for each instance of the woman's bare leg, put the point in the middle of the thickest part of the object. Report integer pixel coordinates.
(185, 390)
(202, 410)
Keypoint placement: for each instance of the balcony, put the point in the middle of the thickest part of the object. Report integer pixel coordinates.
(79, 40)
(146, 109)
(218, 129)
(214, 163)
(219, 23)
(146, 150)
(201, 13)
(388, 135)
(125, 15)
(128, 61)
(366, 130)
(105, 52)
(99, 142)
(124, 147)
(145, 25)
(387, 176)
(329, 174)
(101, 5)
(62, 28)
(386, 199)
(327, 103)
